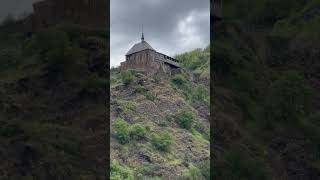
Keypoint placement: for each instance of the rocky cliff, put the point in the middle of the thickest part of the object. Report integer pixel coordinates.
(159, 126)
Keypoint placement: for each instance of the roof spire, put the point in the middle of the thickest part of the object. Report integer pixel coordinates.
(142, 37)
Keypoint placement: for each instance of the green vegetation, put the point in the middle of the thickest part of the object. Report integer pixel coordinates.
(138, 132)
(290, 98)
(120, 129)
(202, 129)
(164, 120)
(127, 77)
(185, 119)
(192, 173)
(150, 96)
(265, 81)
(147, 138)
(119, 171)
(204, 167)
(161, 141)
(198, 61)
(49, 86)
(180, 81)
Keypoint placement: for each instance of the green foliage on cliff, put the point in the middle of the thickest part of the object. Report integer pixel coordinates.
(163, 115)
(265, 68)
(161, 141)
(55, 100)
(185, 119)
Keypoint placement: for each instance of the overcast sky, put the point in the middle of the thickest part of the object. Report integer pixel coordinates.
(15, 7)
(170, 26)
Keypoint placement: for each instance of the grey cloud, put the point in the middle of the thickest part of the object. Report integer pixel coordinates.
(15, 7)
(161, 20)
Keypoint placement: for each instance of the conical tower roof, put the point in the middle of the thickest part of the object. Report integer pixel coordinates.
(143, 45)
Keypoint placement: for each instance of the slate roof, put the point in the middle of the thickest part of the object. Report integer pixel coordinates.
(143, 45)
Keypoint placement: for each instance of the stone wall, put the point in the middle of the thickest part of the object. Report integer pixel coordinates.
(145, 61)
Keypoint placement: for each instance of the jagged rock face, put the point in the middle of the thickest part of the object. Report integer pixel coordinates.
(145, 61)
(136, 108)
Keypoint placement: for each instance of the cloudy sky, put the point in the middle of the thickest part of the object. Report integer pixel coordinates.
(15, 7)
(170, 26)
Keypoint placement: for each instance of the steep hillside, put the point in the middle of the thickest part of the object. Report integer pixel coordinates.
(160, 124)
(52, 108)
(265, 62)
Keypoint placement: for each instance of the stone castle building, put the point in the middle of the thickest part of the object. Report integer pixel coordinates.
(143, 57)
(92, 13)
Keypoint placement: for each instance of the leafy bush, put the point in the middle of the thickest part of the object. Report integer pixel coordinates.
(120, 172)
(150, 96)
(49, 40)
(95, 85)
(127, 77)
(157, 78)
(202, 129)
(185, 119)
(140, 89)
(289, 98)
(120, 129)
(137, 132)
(241, 168)
(200, 93)
(193, 59)
(204, 167)
(192, 173)
(161, 141)
(179, 80)
(166, 121)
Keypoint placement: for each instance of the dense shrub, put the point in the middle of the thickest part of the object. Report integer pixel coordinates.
(289, 98)
(226, 60)
(127, 77)
(49, 40)
(185, 119)
(120, 172)
(161, 141)
(192, 173)
(137, 132)
(120, 130)
(157, 78)
(150, 96)
(204, 167)
(241, 168)
(165, 122)
(179, 80)
(140, 89)
(95, 85)
(200, 93)
(202, 129)
(194, 59)
(54, 48)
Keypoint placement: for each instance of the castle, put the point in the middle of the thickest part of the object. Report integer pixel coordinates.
(92, 13)
(144, 58)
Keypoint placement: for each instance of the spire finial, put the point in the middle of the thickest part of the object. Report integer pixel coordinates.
(142, 37)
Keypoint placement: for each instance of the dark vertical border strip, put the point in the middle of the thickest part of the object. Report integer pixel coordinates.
(108, 95)
(211, 90)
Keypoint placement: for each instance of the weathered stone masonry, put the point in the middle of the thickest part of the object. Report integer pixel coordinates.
(143, 57)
